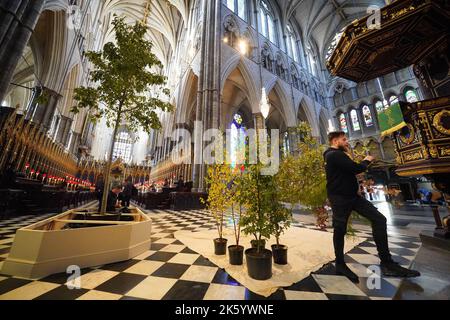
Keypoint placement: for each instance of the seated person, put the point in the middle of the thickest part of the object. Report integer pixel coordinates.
(8, 179)
(180, 184)
(111, 202)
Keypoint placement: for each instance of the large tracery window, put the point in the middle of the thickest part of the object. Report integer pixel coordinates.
(355, 121)
(268, 28)
(343, 123)
(122, 147)
(367, 116)
(292, 44)
(237, 6)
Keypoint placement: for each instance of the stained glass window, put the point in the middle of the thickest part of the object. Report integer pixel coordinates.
(379, 106)
(355, 121)
(411, 96)
(367, 116)
(238, 137)
(343, 123)
(237, 119)
(393, 100)
(122, 147)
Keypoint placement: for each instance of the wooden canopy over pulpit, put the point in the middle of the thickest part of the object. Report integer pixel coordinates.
(409, 31)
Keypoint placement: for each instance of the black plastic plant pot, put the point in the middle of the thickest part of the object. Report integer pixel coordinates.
(220, 246)
(279, 254)
(262, 244)
(259, 265)
(236, 255)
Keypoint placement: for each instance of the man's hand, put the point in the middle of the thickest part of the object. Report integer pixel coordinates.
(369, 158)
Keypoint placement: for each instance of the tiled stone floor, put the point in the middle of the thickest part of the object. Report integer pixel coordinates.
(170, 270)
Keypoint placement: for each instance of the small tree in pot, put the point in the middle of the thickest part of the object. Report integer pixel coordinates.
(236, 252)
(219, 200)
(280, 220)
(255, 221)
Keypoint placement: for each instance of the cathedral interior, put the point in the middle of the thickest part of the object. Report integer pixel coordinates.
(223, 60)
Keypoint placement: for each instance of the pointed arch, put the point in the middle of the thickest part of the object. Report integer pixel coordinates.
(184, 106)
(307, 110)
(236, 62)
(287, 108)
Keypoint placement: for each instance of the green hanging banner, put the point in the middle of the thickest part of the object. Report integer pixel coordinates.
(391, 119)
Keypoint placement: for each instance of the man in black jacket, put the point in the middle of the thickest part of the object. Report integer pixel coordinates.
(342, 189)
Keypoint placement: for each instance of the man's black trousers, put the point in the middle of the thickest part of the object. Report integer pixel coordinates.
(342, 208)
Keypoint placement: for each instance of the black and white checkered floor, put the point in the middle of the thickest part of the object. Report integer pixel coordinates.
(170, 270)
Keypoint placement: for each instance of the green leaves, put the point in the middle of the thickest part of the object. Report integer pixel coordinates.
(220, 192)
(259, 195)
(125, 83)
(302, 178)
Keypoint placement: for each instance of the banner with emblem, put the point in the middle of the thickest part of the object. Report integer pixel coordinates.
(391, 119)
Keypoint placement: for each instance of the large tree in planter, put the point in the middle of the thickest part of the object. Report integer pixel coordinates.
(302, 179)
(123, 75)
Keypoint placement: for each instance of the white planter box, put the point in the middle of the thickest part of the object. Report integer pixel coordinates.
(45, 248)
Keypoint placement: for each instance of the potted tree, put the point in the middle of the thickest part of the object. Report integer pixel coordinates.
(219, 200)
(301, 178)
(236, 252)
(255, 221)
(280, 220)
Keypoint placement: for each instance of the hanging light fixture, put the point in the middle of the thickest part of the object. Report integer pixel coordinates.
(264, 105)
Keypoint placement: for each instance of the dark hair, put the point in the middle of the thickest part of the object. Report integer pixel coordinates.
(334, 135)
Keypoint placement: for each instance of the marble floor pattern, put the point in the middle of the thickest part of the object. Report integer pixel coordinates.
(170, 270)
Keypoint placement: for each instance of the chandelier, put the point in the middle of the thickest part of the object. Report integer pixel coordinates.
(264, 104)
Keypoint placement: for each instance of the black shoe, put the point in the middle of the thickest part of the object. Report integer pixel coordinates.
(393, 269)
(342, 269)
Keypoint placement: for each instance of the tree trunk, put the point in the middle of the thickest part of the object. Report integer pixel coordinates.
(108, 164)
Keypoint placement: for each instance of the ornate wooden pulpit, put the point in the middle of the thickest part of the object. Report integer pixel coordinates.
(411, 32)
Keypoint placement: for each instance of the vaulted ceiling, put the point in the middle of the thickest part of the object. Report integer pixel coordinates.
(164, 18)
(320, 20)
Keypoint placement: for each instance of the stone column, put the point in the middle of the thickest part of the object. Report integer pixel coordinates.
(361, 120)
(63, 131)
(42, 112)
(293, 140)
(208, 96)
(259, 121)
(17, 22)
(374, 114)
(75, 143)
